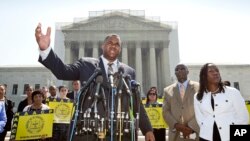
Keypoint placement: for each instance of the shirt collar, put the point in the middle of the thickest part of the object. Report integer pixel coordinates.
(114, 65)
(185, 83)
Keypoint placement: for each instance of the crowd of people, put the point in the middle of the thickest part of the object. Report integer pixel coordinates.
(201, 110)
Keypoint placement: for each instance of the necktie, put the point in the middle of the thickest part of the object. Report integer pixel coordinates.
(75, 96)
(182, 91)
(110, 69)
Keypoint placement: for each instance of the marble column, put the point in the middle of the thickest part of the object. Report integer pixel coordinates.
(138, 63)
(152, 64)
(165, 63)
(81, 49)
(125, 53)
(95, 49)
(67, 52)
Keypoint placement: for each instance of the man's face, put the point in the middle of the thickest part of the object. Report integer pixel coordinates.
(111, 48)
(76, 85)
(181, 73)
(52, 90)
(2, 91)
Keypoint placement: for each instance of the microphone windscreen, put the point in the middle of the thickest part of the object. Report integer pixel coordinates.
(121, 70)
(99, 79)
(98, 70)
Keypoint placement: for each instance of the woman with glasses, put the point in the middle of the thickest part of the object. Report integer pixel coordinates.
(152, 96)
(159, 133)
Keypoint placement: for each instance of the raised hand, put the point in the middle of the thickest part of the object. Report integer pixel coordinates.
(43, 40)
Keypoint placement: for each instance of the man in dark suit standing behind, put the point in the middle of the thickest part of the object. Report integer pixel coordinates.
(76, 88)
(83, 68)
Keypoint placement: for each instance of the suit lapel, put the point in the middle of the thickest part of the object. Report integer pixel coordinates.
(104, 74)
(177, 93)
(189, 90)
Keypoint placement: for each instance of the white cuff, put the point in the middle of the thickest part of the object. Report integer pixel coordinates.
(44, 53)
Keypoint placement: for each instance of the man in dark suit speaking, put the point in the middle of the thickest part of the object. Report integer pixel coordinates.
(83, 68)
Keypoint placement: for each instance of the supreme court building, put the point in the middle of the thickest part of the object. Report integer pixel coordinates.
(148, 45)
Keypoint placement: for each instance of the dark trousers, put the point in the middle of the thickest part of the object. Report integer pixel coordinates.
(2, 135)
(160, 134)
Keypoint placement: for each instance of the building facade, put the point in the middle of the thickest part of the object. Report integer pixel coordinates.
(149, 46)
(17, 77)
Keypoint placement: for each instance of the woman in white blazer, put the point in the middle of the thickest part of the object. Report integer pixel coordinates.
(217, 106)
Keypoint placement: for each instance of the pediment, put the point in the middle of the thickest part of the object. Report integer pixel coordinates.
(117, 21)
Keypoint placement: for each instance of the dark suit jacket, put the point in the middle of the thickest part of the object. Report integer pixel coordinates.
(70, 95)
(9, 105)
(22, 105)
(82, 70)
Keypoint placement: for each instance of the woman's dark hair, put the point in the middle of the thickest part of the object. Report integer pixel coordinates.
(151, 89)
(203, 81)
(36, 92)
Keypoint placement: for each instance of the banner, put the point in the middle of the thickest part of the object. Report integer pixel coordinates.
(63, 110)
(154, 112)
(32, 125)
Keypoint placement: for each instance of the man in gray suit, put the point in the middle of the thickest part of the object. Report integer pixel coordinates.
(83, 68)
(178, 107)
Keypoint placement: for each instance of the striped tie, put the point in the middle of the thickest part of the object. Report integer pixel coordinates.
(110, 69)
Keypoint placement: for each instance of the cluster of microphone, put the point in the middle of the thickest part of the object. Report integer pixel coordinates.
(117, 122)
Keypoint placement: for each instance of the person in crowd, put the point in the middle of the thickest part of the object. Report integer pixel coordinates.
(227, 83)
(83, 68)
(45, 92)
(4, 122)
(217, 106)
(178, 107)
(152, 96)
(63, 90)
(160, 134)
(60, 129)
(37, 98)
(76, 88)
(52, 91)
(28, 100)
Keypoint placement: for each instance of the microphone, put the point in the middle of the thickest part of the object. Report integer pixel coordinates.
(121, 70)
(99, 81)
(128, 79)
(134, 84)
(125, 83)
(97, 71)
(111, 78)
(120, 79)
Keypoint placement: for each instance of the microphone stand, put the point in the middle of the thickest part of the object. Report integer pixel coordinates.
(119, 117)
(113, 92)
(83, 89)
(138, 98)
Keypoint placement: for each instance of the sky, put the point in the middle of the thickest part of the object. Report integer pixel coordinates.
(209, 30)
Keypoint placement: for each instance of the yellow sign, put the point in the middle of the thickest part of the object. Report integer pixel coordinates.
(63, 110)
(154, 112)
(159, 99)
(32, 125)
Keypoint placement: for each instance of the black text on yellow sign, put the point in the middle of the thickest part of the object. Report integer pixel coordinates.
(62, 110)
(154, 112)
(32, 125)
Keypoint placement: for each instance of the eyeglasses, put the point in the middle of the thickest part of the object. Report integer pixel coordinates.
(152, 94)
